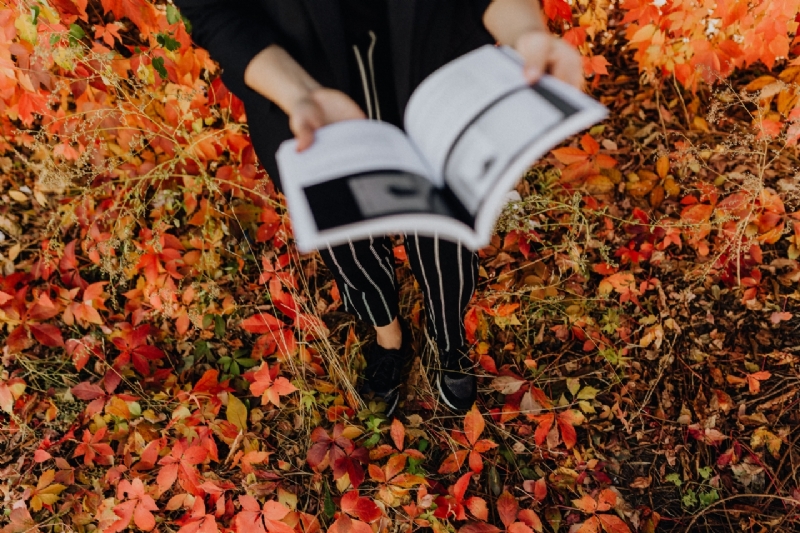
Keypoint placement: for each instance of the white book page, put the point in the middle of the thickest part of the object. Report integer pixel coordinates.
(341, 150)
(490, 143)
(349, 147)
(421, 224)
(586, 111)
(448, 100)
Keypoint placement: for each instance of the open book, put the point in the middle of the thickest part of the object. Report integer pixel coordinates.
(473, 128)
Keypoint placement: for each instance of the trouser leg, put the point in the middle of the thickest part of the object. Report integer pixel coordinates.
(364, 274)
(446, 272)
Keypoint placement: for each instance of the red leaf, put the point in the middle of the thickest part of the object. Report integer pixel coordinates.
(460, 487)
(507, 508)
(87, 391)
(557, 9)
(362, 508)
(262, 323)
(47, 334)
(566, 420)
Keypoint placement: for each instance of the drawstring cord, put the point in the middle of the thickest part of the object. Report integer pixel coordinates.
(369, 96)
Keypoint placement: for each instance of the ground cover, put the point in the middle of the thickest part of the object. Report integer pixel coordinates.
(170, 362)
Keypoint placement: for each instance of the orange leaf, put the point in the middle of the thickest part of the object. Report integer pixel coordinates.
(585, 504)
(507, 508)
(589, 144)
(754, 380)
(453, 463)
(570, 155)
(398, 433)
(473, 425)
(613, 524)
(697, 213)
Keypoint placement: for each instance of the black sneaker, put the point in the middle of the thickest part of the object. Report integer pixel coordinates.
(457, 383)
(384, 373)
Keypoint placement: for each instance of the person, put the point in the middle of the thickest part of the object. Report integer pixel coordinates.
(298, 65)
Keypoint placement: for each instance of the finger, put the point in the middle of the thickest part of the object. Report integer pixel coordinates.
(535, 49)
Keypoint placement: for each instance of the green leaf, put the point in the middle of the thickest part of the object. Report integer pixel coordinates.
(219, 326)
(707, 498)
(705, 472)
(689, 499)
(76, 33)
(158, 64)
(329, 507)
(207, 320)
(173, 15)
(166, 41)
(35, 18)
(246, 362)
(202, 350)
(674, 478)
(553, 517)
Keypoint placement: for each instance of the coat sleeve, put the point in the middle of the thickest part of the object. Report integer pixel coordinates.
(233, 32)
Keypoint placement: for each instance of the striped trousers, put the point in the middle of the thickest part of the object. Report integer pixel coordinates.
(446, 272)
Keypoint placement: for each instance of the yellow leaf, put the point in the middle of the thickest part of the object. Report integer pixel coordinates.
(644, 33)
(236, 412)
(671, 187)
(26, 28)
(662, 166)
(18, 196)
(599, 184)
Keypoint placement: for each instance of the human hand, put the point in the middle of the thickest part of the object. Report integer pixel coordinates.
(544, 52)
(320, 107)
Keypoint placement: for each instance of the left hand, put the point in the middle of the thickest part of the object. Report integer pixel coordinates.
(544, 52)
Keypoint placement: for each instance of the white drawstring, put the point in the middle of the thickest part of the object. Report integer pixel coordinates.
(365, 83)
(374, 39)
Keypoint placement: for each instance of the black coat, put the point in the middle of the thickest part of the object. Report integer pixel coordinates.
(425, 34)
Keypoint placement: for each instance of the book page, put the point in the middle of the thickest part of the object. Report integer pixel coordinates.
(514, 134)
(359, 177)
(448, 100)
(349, 147)
(488, 145)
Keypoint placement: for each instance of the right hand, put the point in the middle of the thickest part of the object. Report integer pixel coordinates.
(318, 108)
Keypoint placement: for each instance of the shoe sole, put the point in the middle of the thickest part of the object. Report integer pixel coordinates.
(443, 397)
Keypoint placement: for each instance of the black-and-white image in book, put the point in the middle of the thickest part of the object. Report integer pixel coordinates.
(473, 128)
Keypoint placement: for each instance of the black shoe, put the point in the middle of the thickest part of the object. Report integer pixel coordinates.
(384, 373)
(457, 383)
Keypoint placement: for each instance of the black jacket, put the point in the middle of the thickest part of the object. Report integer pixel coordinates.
(425, 34)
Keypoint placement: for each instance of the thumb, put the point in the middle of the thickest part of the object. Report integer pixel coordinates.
(304, 131)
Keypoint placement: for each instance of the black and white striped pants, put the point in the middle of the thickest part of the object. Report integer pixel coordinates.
(446, 272)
